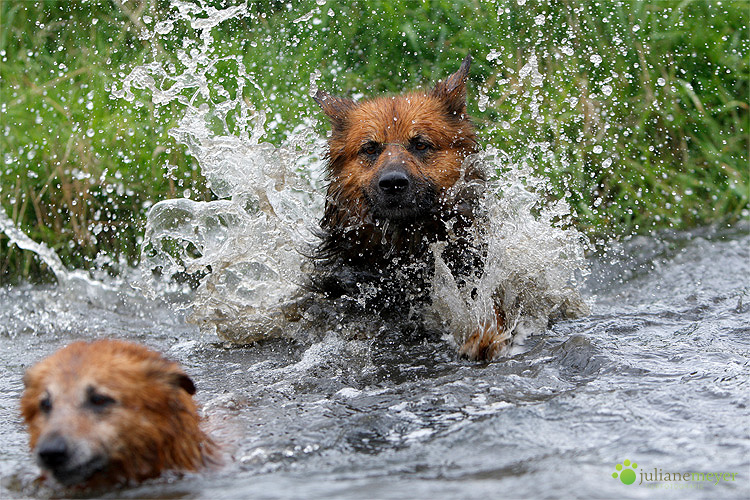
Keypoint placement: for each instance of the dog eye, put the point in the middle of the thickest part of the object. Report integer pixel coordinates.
(370, 148)
(421, 145)
(45, 405)
(99, 401)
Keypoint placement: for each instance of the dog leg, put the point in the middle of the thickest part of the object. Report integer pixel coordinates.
(487, 341)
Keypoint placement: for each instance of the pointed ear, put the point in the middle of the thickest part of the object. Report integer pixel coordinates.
(452, 90)
(336, 108)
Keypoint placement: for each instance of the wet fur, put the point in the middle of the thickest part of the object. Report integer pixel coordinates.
(380, 243)
(123, 412)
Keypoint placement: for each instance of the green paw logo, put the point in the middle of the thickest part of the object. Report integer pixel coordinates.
(627, 476)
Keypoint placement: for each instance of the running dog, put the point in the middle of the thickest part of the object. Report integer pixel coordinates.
(399, 182)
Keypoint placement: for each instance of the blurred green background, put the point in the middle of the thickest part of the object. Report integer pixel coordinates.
(637, 112)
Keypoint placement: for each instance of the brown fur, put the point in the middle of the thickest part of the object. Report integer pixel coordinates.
(394, 165)
(394, 122)
(108, 412)
(487, 341)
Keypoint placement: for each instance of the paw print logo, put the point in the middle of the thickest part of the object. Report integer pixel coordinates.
(627, 476)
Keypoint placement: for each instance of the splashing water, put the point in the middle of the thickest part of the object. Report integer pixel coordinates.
(658, 370)
(249, 241)
(533, 263)
(96, 291)
(248, 248)
(44, 252)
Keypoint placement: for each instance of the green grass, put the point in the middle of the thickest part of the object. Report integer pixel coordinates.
(652, 133)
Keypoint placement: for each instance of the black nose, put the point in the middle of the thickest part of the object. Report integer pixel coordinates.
(393, 182)
(53, 452)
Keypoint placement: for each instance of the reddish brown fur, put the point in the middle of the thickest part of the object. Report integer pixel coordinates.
(487, 341)
(150, 425)
(395, 121)
(369, 235)
(439, 116)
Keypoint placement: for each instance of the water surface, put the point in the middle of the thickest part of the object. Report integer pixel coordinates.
(658, 375)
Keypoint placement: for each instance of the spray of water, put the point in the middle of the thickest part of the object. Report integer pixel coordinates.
(74, 282)
(534, 262)
(19, 238)
(247, 249)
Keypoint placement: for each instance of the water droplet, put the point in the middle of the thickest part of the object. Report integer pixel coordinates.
(493, 55)
(483, 100)
(164, 27)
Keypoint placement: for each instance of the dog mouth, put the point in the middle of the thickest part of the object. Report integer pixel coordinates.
(397, 212)
(69, 476)
(415, 204)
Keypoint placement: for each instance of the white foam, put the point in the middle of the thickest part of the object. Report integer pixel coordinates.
(249, 244)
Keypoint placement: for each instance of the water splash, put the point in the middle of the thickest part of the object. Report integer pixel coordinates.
(247, 250)
(76, 284)
(535, 259)
(20, 239)
(247, 246)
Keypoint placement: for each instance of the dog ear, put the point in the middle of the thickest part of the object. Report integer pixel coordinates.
(176, 377)
(336, 108)
(168, 372)
(183, 381)
(452, 90)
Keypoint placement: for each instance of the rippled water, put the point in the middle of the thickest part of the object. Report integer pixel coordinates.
(658, 375)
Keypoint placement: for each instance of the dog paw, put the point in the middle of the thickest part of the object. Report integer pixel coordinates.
(485, 343)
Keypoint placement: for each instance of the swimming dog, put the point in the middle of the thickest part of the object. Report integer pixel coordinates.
(110, 412)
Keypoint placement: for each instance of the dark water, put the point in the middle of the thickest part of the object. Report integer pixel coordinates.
(657, 375)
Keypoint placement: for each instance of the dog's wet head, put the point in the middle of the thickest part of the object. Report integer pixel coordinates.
(72, 447)
(106, 412)
(394, 157)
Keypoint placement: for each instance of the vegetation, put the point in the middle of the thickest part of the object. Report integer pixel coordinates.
(637, 112)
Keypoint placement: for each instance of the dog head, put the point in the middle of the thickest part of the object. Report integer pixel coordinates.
(108, 411)
(393, 158)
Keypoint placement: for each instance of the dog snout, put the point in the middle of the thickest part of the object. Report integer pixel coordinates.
(393, 182)
(53, 452)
